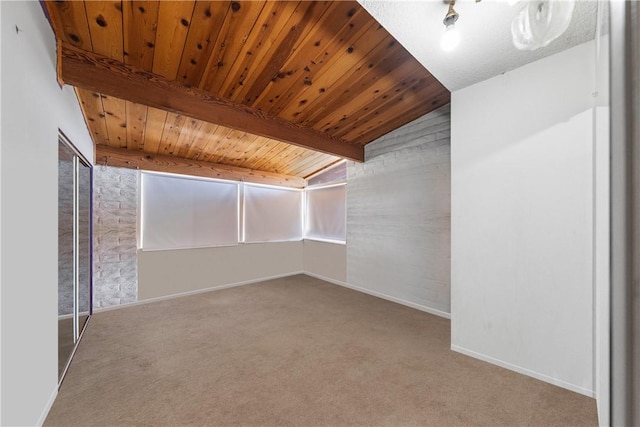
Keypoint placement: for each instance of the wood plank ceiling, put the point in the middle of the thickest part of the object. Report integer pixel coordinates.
(322, 67)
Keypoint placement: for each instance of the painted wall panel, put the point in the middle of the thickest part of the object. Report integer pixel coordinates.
(325, 260)
(522, 222)
(164, 273)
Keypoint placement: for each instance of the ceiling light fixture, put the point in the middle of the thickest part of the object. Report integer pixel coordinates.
(450, 37)
(540, 22)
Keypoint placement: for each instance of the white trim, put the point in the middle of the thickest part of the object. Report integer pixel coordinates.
(424, 308)
(323, 186)
(326, 279)
(140, 210)
(336, 164)
(524, 371)
(252, 242)
(241, 221)
(47, 408)
(319, 239)
(276, 187)
(303, 215)
(195, 292)
(225, 245)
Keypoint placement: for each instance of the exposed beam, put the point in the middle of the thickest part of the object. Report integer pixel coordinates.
(123, 158)
(107, 76)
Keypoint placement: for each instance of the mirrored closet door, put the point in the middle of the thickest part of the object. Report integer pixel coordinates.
(74, 249)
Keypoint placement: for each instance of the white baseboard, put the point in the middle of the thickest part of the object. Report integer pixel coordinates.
(462, 350)
(326, 279)
(195, 292)
(426, 309)
(47, 408)
(262, 279)
(524, 371)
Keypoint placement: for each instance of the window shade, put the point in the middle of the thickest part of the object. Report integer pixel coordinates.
(326, 213)
(272, 214)
(188, 213)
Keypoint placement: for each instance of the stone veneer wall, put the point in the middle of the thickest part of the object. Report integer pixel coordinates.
(115, 278)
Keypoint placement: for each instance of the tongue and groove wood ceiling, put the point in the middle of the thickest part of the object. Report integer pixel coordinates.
(262, 91)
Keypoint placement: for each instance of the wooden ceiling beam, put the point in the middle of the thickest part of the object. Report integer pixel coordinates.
(107, 76)
(123, 158)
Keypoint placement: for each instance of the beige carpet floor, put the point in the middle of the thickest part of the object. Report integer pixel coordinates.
(293, 352)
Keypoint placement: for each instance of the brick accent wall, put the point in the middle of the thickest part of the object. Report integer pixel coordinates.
(115, 278)
(399, 214)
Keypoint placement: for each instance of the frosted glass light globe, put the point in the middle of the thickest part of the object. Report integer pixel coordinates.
(540, 22)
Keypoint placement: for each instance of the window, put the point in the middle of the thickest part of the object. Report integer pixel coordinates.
(272, 214)
(326, 213)
(180, 212)
(325, 210)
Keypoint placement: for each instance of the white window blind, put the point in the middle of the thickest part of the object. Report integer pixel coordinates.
(272, 214)
(182, 212)
(326, 213)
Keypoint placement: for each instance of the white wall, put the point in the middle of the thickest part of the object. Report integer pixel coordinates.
(172, 272)
(33, 108)
(398, 216)
(327, 261)
(522, 219)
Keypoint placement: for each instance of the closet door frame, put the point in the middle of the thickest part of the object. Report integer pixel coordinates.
(79, 160)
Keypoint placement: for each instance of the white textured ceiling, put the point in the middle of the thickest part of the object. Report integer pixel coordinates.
(485, 48)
